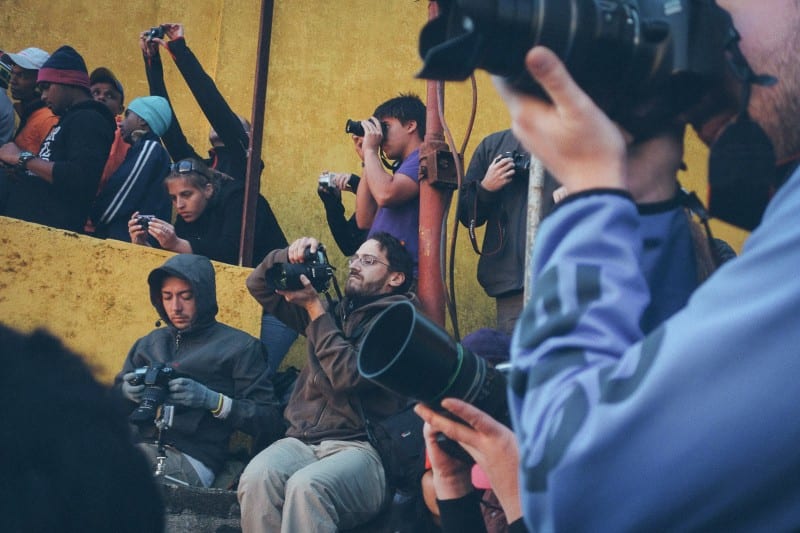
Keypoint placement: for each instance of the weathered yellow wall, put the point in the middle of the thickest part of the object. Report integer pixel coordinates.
(331, 60)
(93, 294)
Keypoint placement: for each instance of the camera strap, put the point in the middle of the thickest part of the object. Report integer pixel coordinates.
(501, 229)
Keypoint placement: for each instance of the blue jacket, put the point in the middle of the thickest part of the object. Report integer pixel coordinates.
(137, 185)
(692, 427)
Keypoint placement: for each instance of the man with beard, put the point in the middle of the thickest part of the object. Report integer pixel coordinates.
(692, 427)
(325, 475)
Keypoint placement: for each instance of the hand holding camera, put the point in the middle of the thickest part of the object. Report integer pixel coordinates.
(132, 387)
(572, 137)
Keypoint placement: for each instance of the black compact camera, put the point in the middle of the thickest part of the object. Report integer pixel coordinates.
(522, 162)
(156, 32)
(406, 353)
(640, 61)
(315, 266)
(354, 127)
(144, 221)
(155, 379)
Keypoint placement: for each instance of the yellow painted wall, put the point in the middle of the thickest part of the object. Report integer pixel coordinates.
(330, 60)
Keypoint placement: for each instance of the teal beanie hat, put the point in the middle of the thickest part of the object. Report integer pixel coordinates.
(155, 111)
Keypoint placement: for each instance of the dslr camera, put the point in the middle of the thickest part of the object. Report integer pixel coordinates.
(155, 379)
(354, 127)
(156, 32)
(144, 221)
(286, 276)
(522, 162)
(644, 62)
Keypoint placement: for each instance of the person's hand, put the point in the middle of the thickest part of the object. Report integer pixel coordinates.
(149, 46)
(173, 30)
(137, 233)
(570, 135)
(373, 134)
(341, 180)
(164, 233)
(499, 174)
(297, 250)
(9, 153)
(489, 442)
(132, 392)
(451, 477)
(190, 393)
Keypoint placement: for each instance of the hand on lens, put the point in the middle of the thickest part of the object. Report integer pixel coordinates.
(135, 230)
(132, 392)
(572, 137)
(297, 250)
(190, 393)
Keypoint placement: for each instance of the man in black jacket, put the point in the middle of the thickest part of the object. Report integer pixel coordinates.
(57, 186)
(223, 382)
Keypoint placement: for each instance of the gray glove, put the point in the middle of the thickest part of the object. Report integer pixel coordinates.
(190, 393)
(132, 392)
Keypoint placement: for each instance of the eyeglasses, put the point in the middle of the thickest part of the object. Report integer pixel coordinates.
(365, 260)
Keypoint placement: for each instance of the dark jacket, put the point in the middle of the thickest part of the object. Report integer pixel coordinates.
(222, 358)
(215, 234)
(325, 401)
(501, 267)
(137, 185)
(78, 145)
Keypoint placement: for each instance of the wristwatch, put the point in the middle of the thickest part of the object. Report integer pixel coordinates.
(24, 157)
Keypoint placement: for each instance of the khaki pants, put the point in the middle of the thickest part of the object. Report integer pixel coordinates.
(292, 487)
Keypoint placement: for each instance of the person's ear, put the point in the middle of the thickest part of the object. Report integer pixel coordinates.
(410, 126)
(396, 279)
(208, 191)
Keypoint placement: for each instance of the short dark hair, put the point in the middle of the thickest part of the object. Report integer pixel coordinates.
(71, 464)
(405, 107)
(399, 258)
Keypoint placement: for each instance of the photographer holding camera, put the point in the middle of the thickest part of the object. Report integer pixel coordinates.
(693, 426)
(345, 231)
(325, 475)
(495, 193)
(222, 381)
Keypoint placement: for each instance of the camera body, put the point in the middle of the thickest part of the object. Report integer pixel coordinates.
(144, 221)
(315, 266)
(156, 32)
(354, 127)
(641, 61)
(522, 163)
(155, 379)
(325, 180)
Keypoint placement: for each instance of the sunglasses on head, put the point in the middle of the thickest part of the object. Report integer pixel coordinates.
(187, 166)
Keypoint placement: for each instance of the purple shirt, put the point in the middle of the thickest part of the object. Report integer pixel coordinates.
(402, 221)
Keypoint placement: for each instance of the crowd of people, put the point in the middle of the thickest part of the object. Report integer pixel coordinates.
(650, 375)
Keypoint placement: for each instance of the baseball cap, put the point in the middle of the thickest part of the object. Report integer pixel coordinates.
(104, 75)
(29, 59)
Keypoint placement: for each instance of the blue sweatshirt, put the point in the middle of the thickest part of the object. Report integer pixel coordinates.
(692, 427)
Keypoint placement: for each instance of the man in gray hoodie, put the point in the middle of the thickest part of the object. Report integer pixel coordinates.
(221, 381)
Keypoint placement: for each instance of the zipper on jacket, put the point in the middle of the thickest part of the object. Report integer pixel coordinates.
(177, 342)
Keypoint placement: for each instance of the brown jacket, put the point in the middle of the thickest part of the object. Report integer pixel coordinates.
(325, 401)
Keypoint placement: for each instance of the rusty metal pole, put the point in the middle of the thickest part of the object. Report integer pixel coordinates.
(253, 179)
(432, 205)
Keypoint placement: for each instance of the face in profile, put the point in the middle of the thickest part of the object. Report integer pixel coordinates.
(132, 122)
(189, 201)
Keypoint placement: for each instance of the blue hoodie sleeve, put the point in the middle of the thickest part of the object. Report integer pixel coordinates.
(692, 427)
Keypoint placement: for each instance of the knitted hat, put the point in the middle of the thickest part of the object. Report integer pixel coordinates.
(491, 344)
(29, 59)
(104, 75)
(65, 66)
(155, 111)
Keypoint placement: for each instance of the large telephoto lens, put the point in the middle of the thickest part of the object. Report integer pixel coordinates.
(408, 354)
